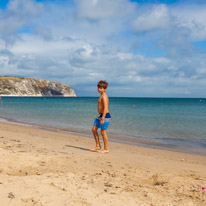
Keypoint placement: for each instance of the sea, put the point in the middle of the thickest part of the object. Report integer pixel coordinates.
(177, 124)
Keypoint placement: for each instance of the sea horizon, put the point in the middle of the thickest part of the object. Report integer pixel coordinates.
(172, 97)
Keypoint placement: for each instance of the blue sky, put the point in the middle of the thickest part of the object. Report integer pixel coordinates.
(143, 48)
(3, 3)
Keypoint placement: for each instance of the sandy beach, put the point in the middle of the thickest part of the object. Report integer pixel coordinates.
(42, 167)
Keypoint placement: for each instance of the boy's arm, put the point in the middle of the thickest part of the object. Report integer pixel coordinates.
(105, 104)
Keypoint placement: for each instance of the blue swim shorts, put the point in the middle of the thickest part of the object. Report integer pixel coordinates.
(106, 121)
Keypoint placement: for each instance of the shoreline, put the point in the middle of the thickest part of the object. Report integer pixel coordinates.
(118, 138)
(42, 167)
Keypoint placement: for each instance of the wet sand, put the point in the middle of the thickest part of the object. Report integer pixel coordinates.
(41, 167)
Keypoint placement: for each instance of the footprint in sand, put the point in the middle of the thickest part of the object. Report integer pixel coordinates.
(42, 163)
(29, 200)
(14, 140)
(11, 195)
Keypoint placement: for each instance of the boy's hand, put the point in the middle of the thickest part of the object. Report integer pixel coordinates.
(101, 121)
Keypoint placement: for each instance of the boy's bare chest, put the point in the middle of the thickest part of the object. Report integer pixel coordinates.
(100, 101)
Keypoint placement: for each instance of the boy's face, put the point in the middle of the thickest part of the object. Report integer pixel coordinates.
(101, 90)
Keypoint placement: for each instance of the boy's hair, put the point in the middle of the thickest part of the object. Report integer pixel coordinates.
(102, 83)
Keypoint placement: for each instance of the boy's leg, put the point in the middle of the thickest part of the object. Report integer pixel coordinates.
(96, 137)
(105, 139)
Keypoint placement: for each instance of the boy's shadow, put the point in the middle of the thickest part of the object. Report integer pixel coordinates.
(81, 148)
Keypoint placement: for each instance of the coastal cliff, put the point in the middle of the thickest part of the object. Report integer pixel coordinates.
(21, 86)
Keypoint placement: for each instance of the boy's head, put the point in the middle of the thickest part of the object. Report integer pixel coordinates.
(102, 84)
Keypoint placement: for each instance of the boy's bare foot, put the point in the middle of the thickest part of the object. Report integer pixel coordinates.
(95, 149)
(104, 151)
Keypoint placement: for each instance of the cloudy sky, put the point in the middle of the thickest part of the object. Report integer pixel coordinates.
(143, 48)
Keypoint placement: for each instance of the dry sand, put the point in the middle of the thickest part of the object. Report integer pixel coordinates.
(41, 167)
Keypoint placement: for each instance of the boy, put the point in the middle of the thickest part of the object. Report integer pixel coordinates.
(104, 118)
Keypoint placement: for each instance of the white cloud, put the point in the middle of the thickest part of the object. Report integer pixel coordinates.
(157, 17)
(30, 44)
(98, 9)
(192, 17)
(19, 13)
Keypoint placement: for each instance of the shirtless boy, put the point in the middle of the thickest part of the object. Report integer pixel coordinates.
(104, 118)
